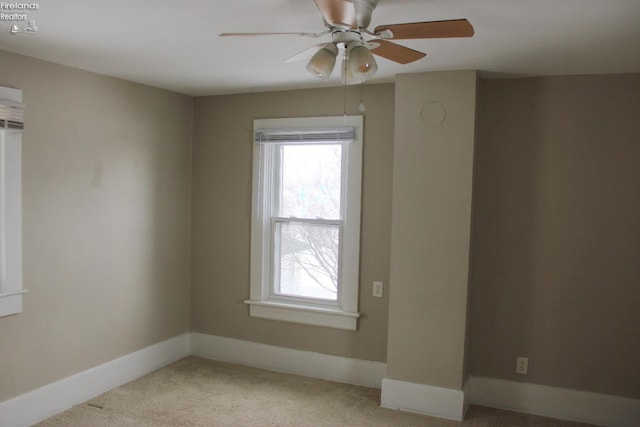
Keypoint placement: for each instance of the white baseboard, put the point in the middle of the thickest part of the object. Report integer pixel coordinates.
(573, 405)
(36, 405)
(423, 399)
(307, 363)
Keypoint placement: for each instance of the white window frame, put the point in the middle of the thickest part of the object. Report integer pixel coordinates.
(340, 314)
(11, 290)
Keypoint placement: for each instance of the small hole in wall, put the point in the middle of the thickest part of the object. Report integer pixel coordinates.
(433, 113)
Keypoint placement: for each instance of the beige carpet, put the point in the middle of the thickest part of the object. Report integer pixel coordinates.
(200, 392)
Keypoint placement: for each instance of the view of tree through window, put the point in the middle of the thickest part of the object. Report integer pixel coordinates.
(309, 250)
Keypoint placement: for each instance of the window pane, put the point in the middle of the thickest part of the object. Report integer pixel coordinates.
(308, 260)
(311, 179)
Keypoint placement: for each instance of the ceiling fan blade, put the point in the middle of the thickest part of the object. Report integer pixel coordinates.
(305, 54)
(340, 13)
(271, 34)
(396, 52)
(429, 30)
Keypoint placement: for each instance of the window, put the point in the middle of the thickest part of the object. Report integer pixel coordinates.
(10, 201)
(305, 237)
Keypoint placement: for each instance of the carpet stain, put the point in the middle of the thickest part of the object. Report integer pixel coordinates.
(94, 405)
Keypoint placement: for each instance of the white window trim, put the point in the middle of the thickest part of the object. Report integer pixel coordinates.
(11, 290)
(344, 314)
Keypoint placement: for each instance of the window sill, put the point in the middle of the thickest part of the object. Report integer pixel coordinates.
(11, 302)
(317, 316)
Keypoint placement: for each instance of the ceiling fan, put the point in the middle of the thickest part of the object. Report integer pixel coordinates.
(347, 22)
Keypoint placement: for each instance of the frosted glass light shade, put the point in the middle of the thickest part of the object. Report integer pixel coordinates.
(321, 64)
(361, 62)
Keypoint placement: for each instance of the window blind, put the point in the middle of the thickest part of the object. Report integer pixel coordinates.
(11, 115)
(304, 136)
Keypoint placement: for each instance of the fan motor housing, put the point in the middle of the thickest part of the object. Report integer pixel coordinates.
(364, 9)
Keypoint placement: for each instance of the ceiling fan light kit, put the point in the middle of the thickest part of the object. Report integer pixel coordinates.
(347, 22)
(321, 64)
(360, 61)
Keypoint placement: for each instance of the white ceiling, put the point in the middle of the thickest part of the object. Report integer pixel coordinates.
(175, 45)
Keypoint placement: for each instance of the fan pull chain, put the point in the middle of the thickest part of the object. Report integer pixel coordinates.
(361, 107)
(344, 64)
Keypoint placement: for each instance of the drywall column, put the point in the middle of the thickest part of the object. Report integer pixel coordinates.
(430, 241)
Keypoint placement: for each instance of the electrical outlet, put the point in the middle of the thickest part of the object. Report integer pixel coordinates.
(522, 365)
(377, 289)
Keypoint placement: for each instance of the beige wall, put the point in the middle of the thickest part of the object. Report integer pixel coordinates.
(555, 273)
(222, 217)
(431, 220)
(556, 241)
(106, 189)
